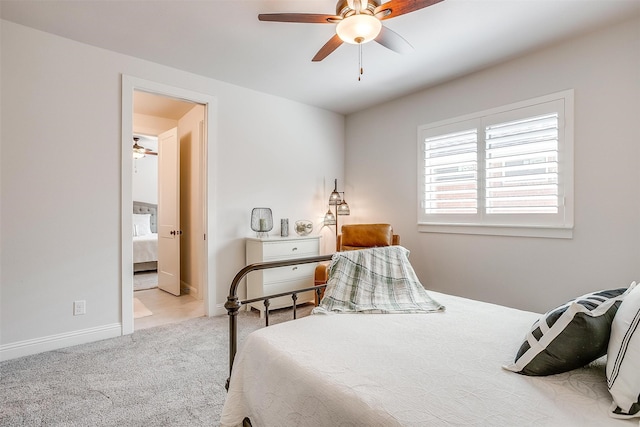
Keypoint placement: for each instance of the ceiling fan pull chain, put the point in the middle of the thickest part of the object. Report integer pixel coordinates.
(360, 60)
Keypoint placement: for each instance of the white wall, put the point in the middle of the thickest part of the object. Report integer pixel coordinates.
(145, 170)
(145, 179)
(530, 273)
(61, 197)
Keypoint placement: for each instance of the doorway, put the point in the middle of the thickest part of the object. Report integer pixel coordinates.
(149, 109)
(176, 126)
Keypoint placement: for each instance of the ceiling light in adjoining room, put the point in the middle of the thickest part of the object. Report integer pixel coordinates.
(138, 151)
(359, 28)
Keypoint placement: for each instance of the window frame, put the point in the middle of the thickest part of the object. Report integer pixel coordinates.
(526, 225)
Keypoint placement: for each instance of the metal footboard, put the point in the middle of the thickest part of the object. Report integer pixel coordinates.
(233, 305)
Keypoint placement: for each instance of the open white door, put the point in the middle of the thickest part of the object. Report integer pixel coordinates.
(169, 212)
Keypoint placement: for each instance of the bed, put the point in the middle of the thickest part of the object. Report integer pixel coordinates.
(145, 236)
(450, 366)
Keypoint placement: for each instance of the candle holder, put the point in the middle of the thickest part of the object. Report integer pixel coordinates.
(261, 221)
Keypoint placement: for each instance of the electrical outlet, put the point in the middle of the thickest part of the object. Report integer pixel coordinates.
(79, 307)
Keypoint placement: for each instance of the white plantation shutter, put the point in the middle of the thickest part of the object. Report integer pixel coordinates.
(521, 166)
(509, 167)
(451, 173)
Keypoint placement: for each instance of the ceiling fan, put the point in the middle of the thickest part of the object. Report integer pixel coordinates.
(139, 151)
(358, 22)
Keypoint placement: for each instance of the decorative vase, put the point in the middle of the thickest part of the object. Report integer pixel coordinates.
(304, 227)
(284, 227)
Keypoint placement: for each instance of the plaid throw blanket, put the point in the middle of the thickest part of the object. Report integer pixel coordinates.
(377, 280)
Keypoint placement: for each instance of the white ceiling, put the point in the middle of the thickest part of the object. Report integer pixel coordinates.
(224, 40)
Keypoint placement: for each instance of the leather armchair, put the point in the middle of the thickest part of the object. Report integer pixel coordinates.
(354, 237)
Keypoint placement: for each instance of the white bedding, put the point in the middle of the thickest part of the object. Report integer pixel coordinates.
(145, 248)
(407, 370)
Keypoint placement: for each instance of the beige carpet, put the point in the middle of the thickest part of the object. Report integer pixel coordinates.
(139, 309)
(170, 375)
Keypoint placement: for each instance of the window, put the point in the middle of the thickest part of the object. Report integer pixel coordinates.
(506, 171)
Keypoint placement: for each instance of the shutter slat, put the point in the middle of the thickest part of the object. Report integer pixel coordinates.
(454, 176)
(518, 210)
(494, 142)
(529, 149)
(522, 180)
(526, 169)
(467, 159)
(522, 190)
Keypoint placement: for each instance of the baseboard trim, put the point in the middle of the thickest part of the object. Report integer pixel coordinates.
(55, 342)
(220, 310)
(186, 288)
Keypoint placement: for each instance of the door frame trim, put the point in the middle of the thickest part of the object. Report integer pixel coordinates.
(129, 85)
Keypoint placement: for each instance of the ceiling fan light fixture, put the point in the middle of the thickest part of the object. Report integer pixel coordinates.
(138, 151)
(359, 28)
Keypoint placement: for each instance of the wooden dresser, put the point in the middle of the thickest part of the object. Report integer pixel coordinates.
(275, 280)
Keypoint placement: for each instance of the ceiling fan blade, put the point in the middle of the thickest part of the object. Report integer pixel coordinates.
(394, 41)
(394, 8)
(333, 43)
(307, 18)
(139, 149)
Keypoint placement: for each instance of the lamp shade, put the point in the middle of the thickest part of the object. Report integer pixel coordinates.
(261, 221)
(329, 218)
(343, 208)
(359, 28)
(335, 199)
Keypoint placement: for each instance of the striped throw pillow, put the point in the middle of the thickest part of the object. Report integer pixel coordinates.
(570, 336)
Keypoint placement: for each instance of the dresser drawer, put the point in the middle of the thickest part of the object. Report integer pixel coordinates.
(287, 285)
(287, 273)
(273, 251)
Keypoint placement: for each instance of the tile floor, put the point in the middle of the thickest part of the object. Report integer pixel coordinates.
(166, 308)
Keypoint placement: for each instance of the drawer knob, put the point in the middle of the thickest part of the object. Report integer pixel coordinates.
(294, 268)
(294, 249)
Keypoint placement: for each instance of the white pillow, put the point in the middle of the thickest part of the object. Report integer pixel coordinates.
(141, 224)
(623, 358)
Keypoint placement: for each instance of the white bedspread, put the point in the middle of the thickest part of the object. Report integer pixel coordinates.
(407, 370)
(145, 248)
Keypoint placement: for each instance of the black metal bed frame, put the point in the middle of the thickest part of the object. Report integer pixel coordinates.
(233, 304)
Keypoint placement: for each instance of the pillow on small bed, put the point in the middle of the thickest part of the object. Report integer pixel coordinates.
(623, 358)
(570, 336)
(141, 224)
